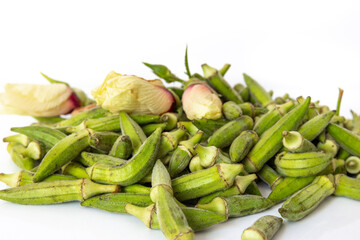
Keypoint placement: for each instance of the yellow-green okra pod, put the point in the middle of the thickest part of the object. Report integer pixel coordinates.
(122, 148)
(270, 176)
(242, 144)
(209, 126)
(169, 141)
(62, 153)
(347, 186)
(204, 182)
(15, 150)
(136, 188)
(231, 110)
(303, 202)
(328, 146)
(133, 130)
(270, 141)
(88, 159)
(108, 123)
(263, 229)
(312, 128)
(294, 142)
(74, 169)
(93, 113)
(160, 178)
(225, 135)
(132, 170)
(346, 139)
(18, 138)
(103, 141)
(55, 192)
(260, 95)
(352, 165)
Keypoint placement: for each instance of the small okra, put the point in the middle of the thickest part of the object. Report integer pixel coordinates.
(169, 141)
(116, 202)
(312, 128)
(259, 94)
(62, 153)
(171, 120)
(195, 164)
(303, 202)
(225, 135)
(329, 146)
(263, 229)
(294, 142)
(74, 169)
(347, 186)
(204, 182)
(270, 176)
(242, 144)
(55, 192)
(142, 119)
(103, 141)
(231, 110)
(132, 170)
(150, 128)
(209, 126)
(237, 205)
(108, 123)
(122, 148)
(160, 178)
(352, 165)
(137, 188)
(15, 150)
(348, 140)
(240, 185)
(270, 141)
(88, 159)
(18, 138)
(34, 150)
(133, 130)
(92, 113)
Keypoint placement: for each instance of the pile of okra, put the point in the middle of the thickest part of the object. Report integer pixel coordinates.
(184, 176)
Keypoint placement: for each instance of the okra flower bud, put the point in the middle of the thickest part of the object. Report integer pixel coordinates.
(200, 101)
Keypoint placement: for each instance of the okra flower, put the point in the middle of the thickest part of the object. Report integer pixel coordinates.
(200, 101)
(133, 94)
(38, 100)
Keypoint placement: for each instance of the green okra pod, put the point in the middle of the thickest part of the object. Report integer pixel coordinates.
(93, 113)
(208, 156)
(336, 166)
(103, 141)
(329, 146)
(133, 130)
(237, 205)
(248, 109)
(270, 176)
(240, 185)
(288, 186)
(270, 118)
(169, 141)
(108, 123)
(348, 140)
(347, 186)
(62, 153)
(225, 135)
(352, 165)
(132, 170)
(216, 80)
(307, 199)
(263, 229)
(231, 110)
(204, 182)
(209, 126)
(270, 141)
(55, 192)
(342, 154)
(160, 178)
(312, 128)
(189, 126)
(260, 95)
(122, 148)
(142, 119)
(89, 159)
(24, 177)
(242, 145)
(116, 202)
(18, 138)
(137, 188)
(150, 128)
(294, 142)
(224, 69)
(46, 135)
(195, 164)
(171, 119)
(34, 150)
(49, 120)
(74, 169)
(15, 150)
(301, 164)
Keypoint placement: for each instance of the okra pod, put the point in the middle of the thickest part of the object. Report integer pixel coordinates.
(92, 113)
(108, 123)
(270, 176)
(329, 146)
(150, 128)
(133, 130)
(312, 128)
(209, 126)
(136, 188)
(15, 150)
(294, 142)
(103, 141)
(89, 159)
(122, 148)
(142, 119)
(169, 141)
(352, 165)
(18, 138)
(263, 229)
(195, 164)
(231, 110)
(242, 145)
(260, 95)
(347, 186)
(34, 150)
(160, 178)
(74, 169)
(349, 141)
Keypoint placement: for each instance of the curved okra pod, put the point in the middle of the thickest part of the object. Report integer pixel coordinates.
(204, 182)
(259, 94)
(122, 148)
(352, 165)
(312, 128)
(209, 126)
(132, 170)
(270, 176)
(171, 218)
(271, 117)
(103, 141)
(62, 153)
(46, 135)
(307, 199)
(198, 219)
(225, 135)
(263, 229)
(242, 144)
(189, 126)
(133, 130)
(23, 177)
(15, 150)
(171, 119)
(88, 159)
(216, 80)
(108, 123)
(116, 202)
(137, 188)
(294, 142)
(349, 141)
(18, 138)
(231, 110)
(142, 119)
(74, 169)
(347, 186)
(93, 113)
(240, 185)
(270, 141)
(288, 186)
(159, 178)
(150, 128)
(169, 141)
(238, 205)
(183, 153)
(55, 192)
(302, 164)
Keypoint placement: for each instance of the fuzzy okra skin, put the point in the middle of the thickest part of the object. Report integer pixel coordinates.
(160, 178)
(307, 199)
(55, 192)
(88, 159)
(103, 141)
(122, 147)
(225, 135)
(242, 144)
(204, 182)
(260, 95)
(132, 170)
(263, 229)
(270, 141)
(345, 138)
(115, 202)
(312, 128)
(347, 186)
(62, 153)
(270, 176)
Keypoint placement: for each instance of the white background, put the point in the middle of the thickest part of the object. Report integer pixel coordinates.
(297, 47)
